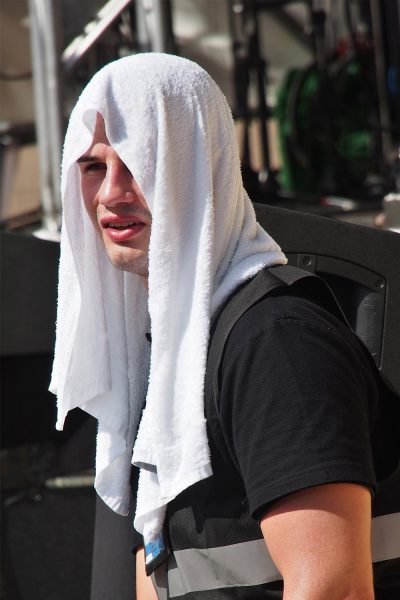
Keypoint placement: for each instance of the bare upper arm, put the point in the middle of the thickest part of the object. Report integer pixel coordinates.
(319, 539)
(144, 587)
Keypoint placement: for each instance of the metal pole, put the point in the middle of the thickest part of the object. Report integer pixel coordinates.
(142, 31)
(47, 107)
(77, 49)
(54, 101)
(159, 17)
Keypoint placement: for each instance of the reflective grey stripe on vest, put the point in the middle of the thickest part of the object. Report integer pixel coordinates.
(249, 563)
(386, 537)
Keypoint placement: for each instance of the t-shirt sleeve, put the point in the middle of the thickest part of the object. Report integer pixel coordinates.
(137, 541)
(294, 407)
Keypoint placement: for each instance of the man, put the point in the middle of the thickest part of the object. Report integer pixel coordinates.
(158, 233)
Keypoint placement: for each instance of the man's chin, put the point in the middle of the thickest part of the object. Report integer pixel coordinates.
(137, 264)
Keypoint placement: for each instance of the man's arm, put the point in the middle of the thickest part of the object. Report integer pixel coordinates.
(319, 539)
(144, 587)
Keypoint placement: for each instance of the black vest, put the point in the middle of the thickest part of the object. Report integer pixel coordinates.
(218, 551)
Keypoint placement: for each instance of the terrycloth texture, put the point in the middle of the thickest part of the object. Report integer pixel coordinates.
(171, 125)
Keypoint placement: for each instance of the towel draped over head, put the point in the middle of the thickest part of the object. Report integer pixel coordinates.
(171, 125)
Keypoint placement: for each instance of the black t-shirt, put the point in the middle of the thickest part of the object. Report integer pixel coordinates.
(299, 401)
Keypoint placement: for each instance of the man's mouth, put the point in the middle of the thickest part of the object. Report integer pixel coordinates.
(122, 230)
(120, 226)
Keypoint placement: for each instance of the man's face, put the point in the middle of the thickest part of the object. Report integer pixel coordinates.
(115, 204)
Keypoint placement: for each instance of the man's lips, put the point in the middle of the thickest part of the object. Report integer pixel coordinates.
(121, 229)
(119, 222)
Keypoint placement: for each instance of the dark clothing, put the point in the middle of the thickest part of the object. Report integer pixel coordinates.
(293, 383)
(306, 383)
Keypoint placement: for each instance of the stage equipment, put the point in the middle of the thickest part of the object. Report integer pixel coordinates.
(337, 132)
(360, 264)
(343, 158)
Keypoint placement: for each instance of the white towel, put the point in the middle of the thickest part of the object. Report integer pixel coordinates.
(171, 125)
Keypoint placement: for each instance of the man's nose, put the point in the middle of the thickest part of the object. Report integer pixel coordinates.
(116, 187)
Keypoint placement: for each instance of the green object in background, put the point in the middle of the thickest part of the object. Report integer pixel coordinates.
(346, 145)
(293, 115)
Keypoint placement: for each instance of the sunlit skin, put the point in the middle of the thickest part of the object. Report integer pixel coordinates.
(115, 204)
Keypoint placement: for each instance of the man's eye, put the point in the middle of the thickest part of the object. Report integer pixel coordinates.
(94, 167)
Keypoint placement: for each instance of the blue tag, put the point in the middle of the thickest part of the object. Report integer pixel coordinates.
(155, 552)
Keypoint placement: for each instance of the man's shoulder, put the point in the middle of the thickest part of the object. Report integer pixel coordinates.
(295, 325)
(300, 303)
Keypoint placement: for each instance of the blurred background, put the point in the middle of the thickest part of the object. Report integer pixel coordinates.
(314, 86)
